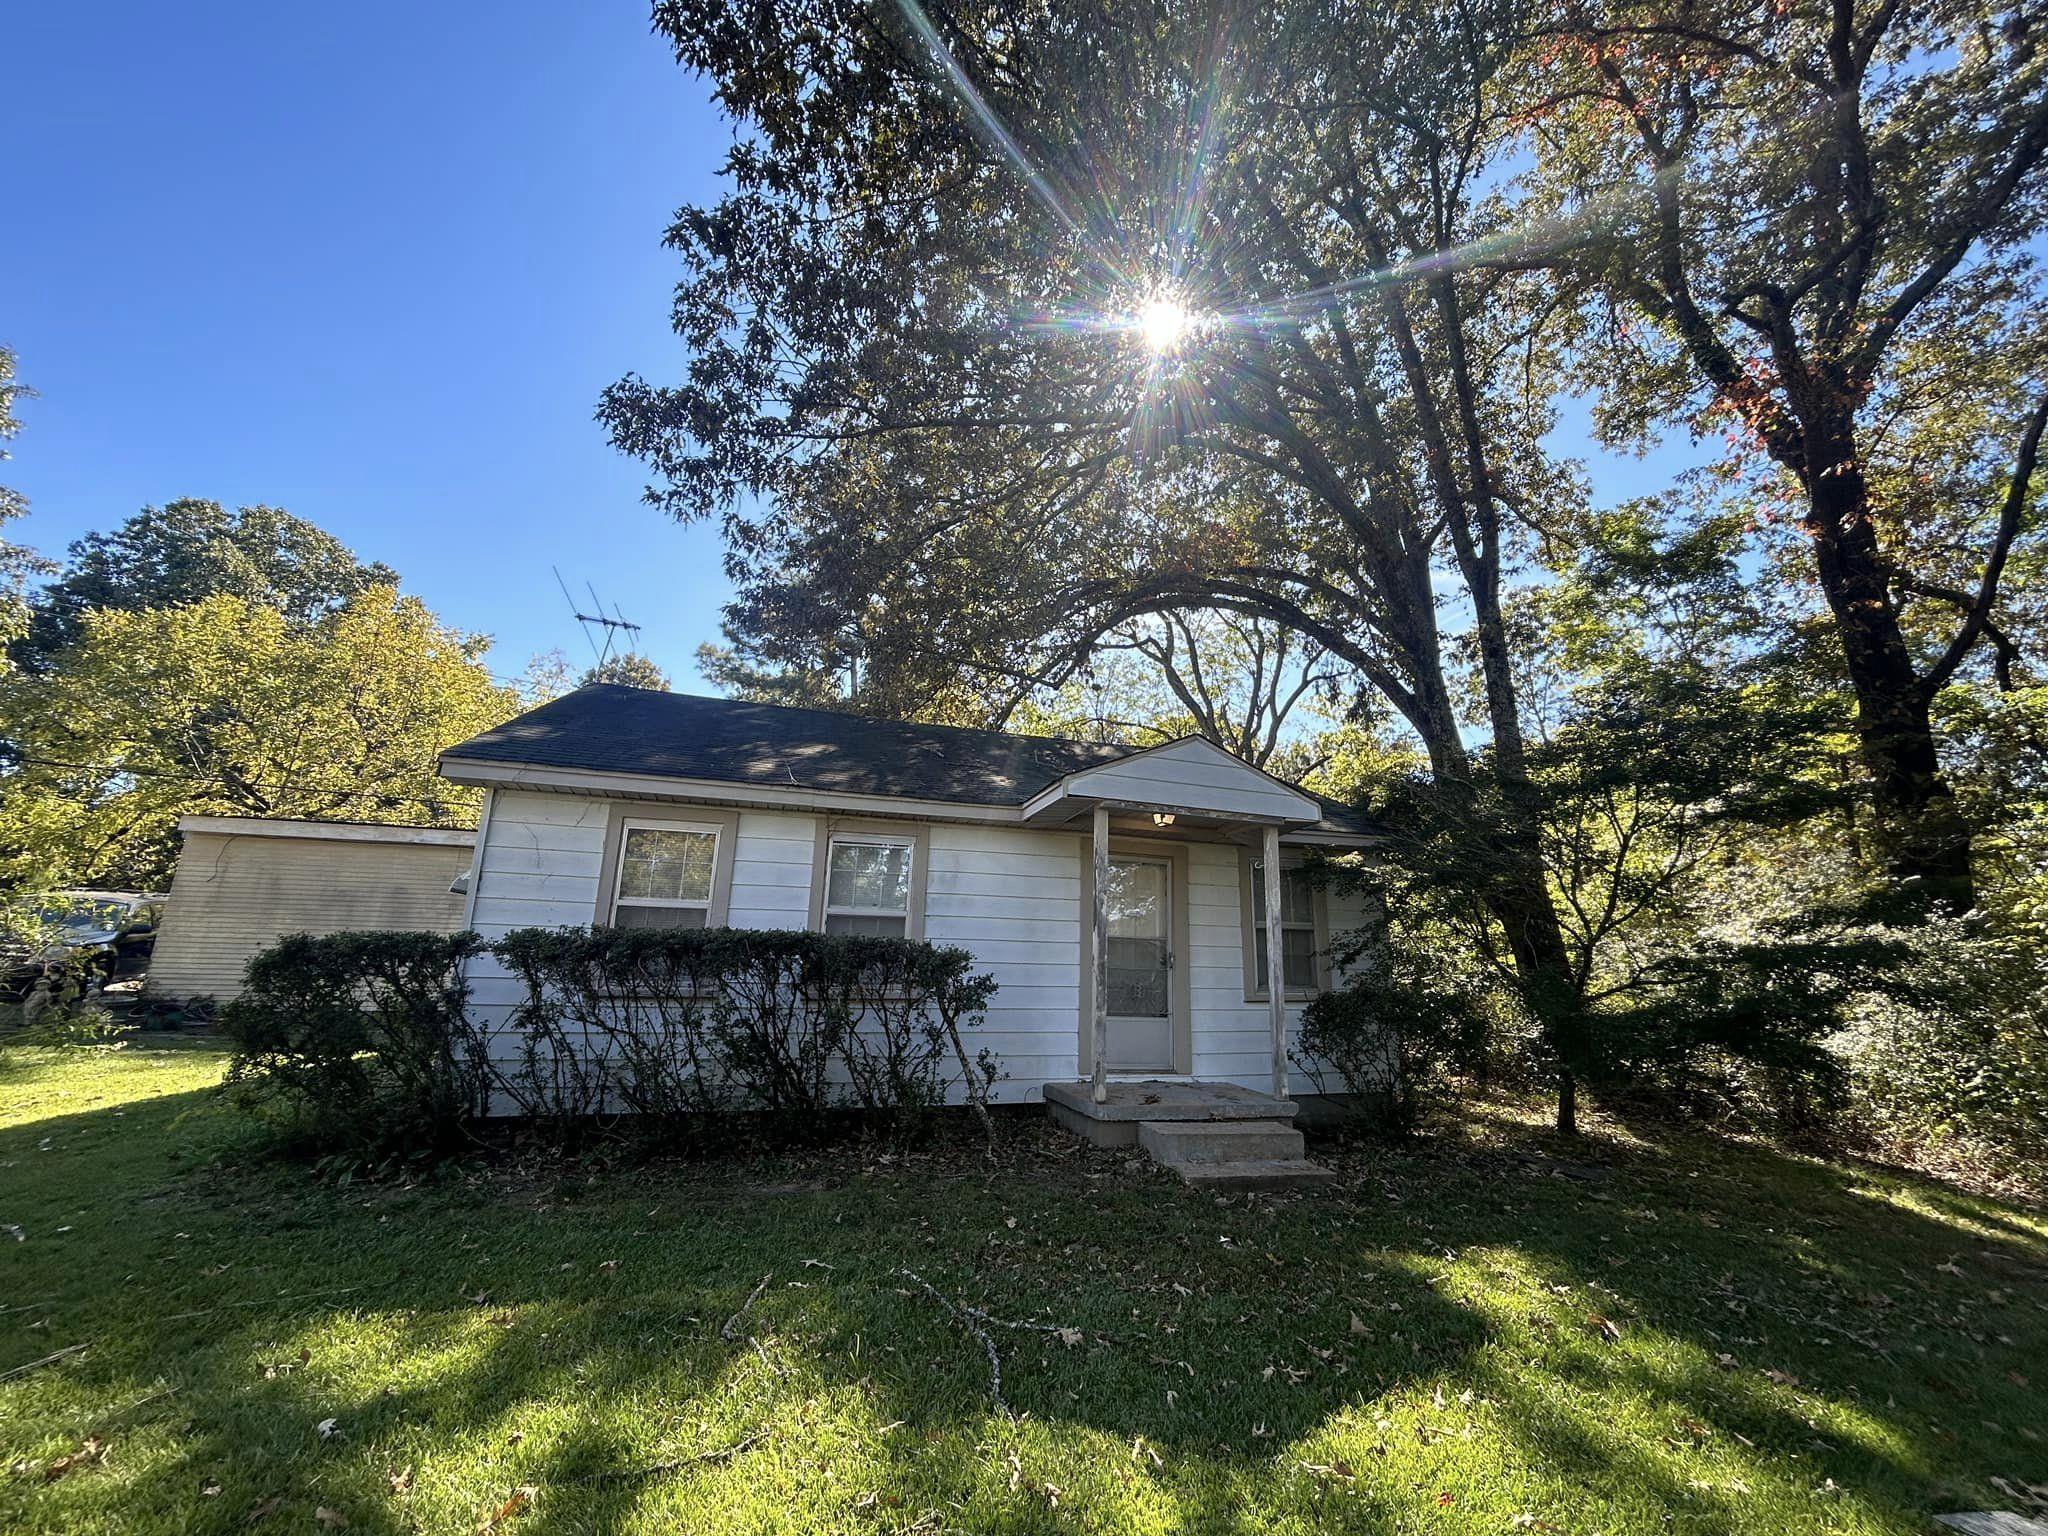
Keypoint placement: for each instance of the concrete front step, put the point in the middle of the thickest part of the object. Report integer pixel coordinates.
(1226, 1141)
(1130, 1102)
(1131, 1099)
(1254, 1173)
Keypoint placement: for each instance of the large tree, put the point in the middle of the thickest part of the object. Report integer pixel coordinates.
(18, 564)
(188, 550)
(1017, 327)
(223, 707)
(1805, 220)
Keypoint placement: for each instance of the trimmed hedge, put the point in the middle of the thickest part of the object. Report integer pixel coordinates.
(367, 1037)
(361, 1038)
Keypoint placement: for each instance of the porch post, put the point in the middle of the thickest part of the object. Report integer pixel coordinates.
(1098, 947)
(1276, 963)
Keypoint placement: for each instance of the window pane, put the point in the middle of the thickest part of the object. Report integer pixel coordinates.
(626, 916)
(1135, 901)
(874, 876)
(1297, 958)
(875, 924)
(662, 865)
(1297, 895)
(1137, 978)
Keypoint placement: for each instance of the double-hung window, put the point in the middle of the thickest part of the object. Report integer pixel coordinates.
(1297, 930)
(666, 871)
(868, 883)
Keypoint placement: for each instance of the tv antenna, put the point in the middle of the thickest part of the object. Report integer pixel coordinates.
(612, 624)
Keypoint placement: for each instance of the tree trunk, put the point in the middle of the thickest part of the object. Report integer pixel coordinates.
(1924, 837)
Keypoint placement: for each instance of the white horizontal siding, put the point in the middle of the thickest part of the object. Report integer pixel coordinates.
(1010, 896)
(771, 871)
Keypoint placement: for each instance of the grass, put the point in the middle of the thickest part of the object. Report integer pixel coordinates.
(1686, 1337)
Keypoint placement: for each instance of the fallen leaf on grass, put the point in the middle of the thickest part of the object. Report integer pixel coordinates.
(265, 1510)
(86, 1455)
(1068, 1336)
(1783, 1378)
(1336, 1469)
(401, 1482)
(333, 1519)
(519, 1499)
(327, 1429)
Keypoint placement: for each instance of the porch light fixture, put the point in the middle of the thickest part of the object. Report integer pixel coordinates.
(1162, 818)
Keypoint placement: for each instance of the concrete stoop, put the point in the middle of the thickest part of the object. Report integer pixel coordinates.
(1214, 1135)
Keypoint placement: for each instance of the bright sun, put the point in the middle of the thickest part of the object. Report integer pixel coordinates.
(1164, 324)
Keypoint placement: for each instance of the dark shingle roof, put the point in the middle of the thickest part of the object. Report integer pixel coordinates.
(610, 728)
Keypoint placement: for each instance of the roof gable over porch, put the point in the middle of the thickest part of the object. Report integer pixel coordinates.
(1190, 778)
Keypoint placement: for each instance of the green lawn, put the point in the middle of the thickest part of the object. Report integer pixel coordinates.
(1697, 1338)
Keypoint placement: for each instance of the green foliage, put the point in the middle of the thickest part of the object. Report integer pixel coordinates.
(1948, 1063)
(1813, 230)
(360, 1040)
(666, 1024)
(628, 668)
(188, 551)
(223, 707)
(18, 564)
(1391, 1035)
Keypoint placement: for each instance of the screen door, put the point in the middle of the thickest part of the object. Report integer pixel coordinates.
(1138, 904)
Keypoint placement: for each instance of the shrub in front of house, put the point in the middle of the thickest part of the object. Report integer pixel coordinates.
(364, 1041)
(359, 1040)
(1384, 1042)
(671, 1023)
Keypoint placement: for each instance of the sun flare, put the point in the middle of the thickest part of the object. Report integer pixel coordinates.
(1164, 324)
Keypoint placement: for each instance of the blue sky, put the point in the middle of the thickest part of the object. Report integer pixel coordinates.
(372, 263)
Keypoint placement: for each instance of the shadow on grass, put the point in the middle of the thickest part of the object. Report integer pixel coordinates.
(1236, 1362)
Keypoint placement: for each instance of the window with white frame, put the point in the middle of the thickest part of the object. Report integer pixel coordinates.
(1297, 929)
(665, 875)
(867, 884)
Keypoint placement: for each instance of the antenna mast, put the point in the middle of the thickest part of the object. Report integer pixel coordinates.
(611, 623)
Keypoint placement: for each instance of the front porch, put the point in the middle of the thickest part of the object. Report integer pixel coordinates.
(1142, 814)
(1214, 1135)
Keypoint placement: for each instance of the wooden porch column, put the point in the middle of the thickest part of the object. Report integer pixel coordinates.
(1276, 963)
(1098, 946)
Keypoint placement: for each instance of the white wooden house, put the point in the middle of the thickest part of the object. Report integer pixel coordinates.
(1117, 894)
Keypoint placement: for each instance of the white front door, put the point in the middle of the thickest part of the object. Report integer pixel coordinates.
(1138, 904)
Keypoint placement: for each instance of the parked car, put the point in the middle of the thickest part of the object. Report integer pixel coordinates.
(110, 932)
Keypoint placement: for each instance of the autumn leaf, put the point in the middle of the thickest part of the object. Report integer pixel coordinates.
(333, 1519)
(520, 1497)
(86, 1455)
